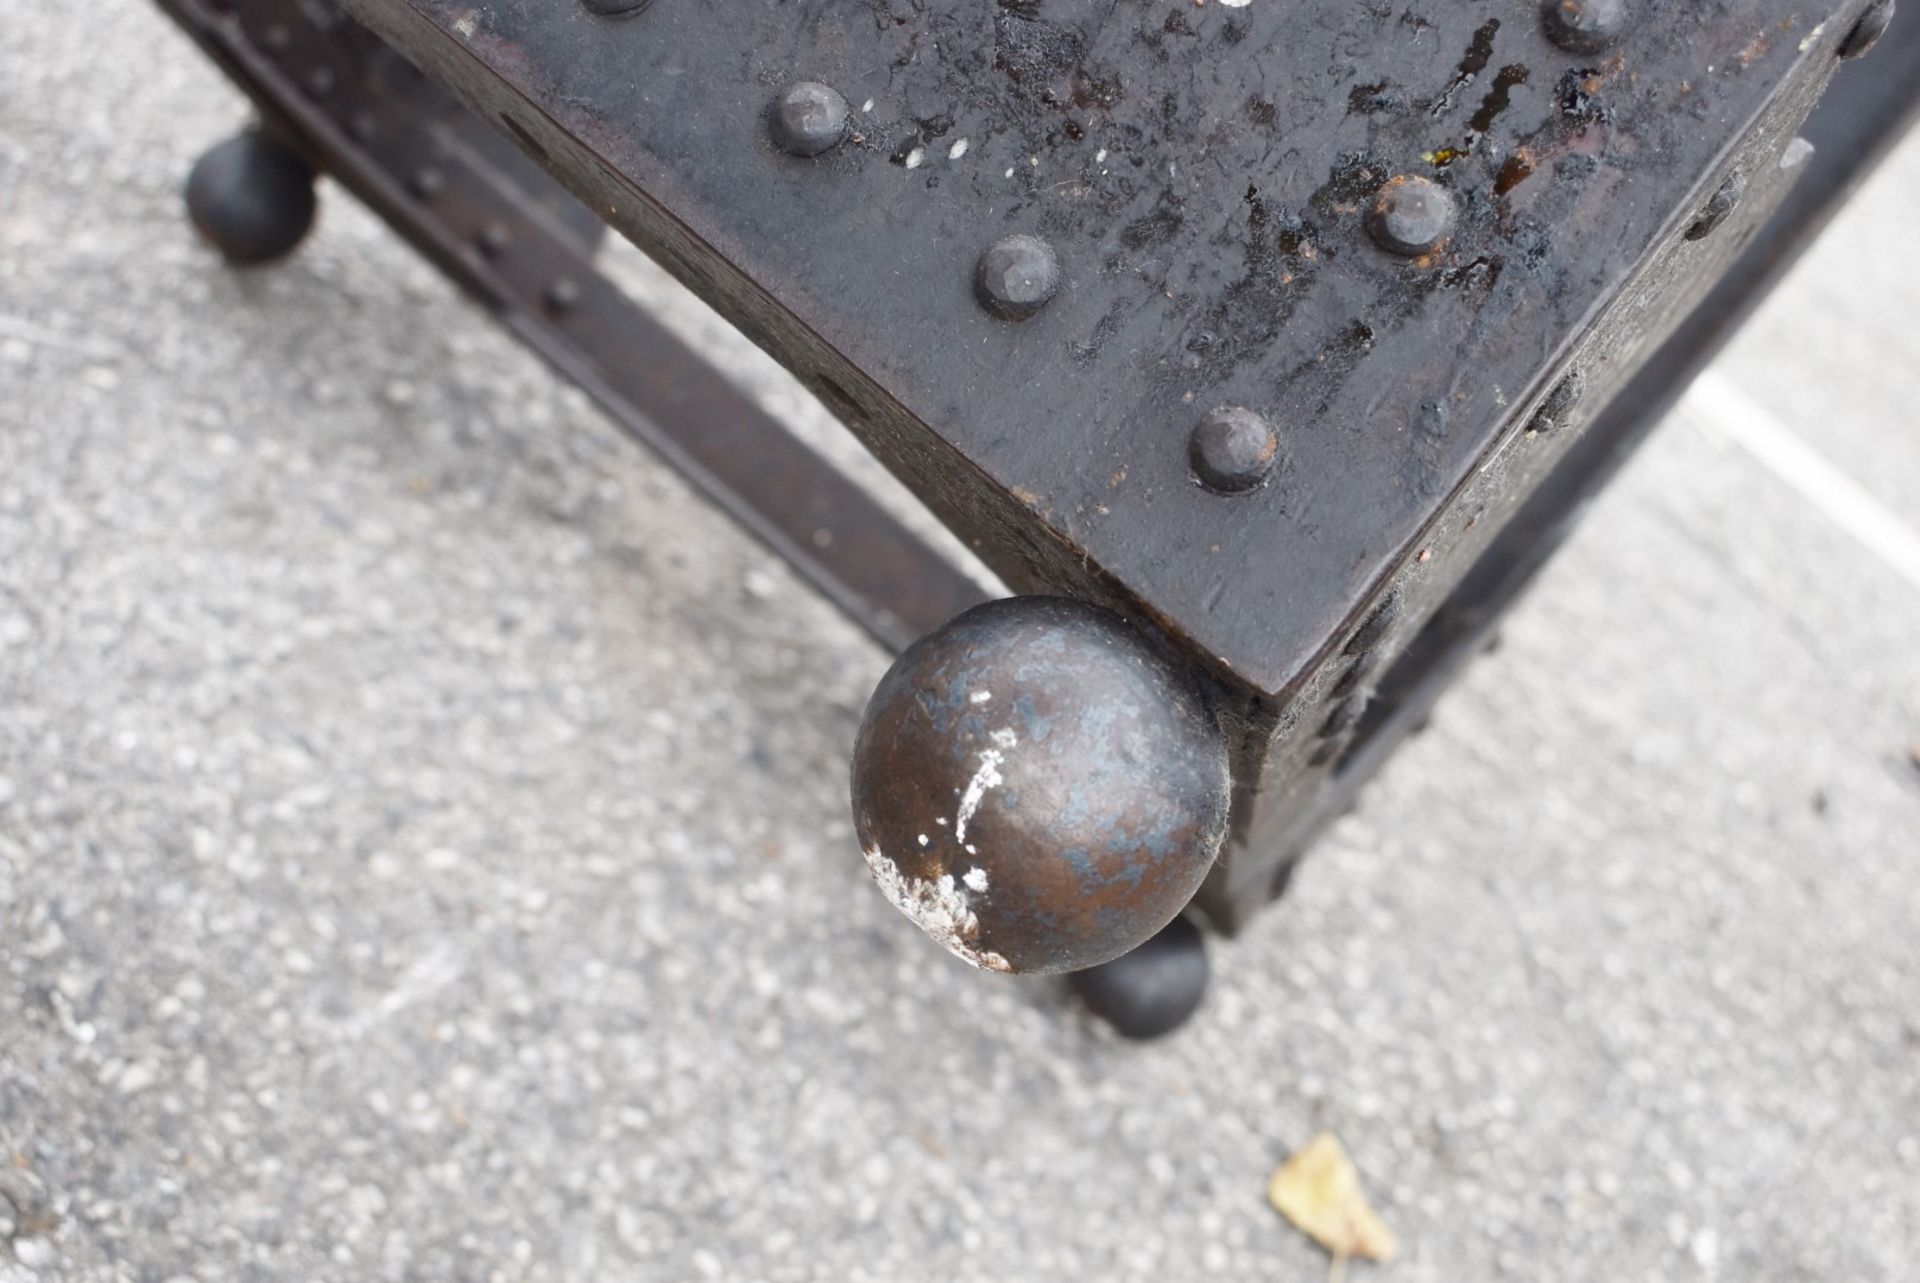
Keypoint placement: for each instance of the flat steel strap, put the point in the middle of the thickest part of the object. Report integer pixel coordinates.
(464, 195)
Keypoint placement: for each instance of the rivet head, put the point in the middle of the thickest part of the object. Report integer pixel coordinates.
(1556, 409)
(808, 118)
(563, 295)
(1866, 33)
(494, 238)
(1410, 215)
(1016, 276)
(427, 182)
(1369, 634)
(1584, 26)
(1233, 450)
(1718, 206)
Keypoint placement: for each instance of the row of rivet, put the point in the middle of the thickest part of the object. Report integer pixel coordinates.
(491, 242)
(1233, 449)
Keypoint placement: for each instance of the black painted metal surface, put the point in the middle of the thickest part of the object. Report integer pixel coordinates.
(1865, 111)
(1037, 788)
(508, 234)
(1218, 188)
(1202, 174)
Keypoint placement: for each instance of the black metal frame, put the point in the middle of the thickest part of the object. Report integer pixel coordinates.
(517, 241)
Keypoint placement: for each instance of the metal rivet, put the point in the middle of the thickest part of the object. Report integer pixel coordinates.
(320, 82)
(1016, 276)
(1866, 33)
(563, 295)
(1232, 450)
(494, 239)
(1368, 635)
(1717, 208)
(1410, 215)
(1554, 410)
(1345, 716)
(427, 182)
(364, 125)
(1356, 673)
(278, 37)
(808, 118)
(1584, 26)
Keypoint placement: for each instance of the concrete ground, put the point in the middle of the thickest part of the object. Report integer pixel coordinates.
(423, 848)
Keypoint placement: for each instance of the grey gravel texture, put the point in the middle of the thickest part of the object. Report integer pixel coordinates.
(423, 848)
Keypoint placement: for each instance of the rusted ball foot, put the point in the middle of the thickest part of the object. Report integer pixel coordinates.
(1153, 990)
(251, 198)
(1037, 788)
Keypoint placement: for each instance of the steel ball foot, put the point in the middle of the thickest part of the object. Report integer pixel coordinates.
(1153, 990)
(1037, 787)
(251, 198)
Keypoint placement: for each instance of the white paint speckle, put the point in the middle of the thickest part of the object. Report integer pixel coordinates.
(867, 105)
(941, 908)
(1100, 156)
(958, 150)
(923, 839)
(1236, 4)
(979, 697)
(467, 24)
(988, 776)
(941, 821)
(1009, 171)
(972, 849)
(915, 156)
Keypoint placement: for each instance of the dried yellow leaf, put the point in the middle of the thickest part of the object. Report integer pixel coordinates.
(1319, 1191)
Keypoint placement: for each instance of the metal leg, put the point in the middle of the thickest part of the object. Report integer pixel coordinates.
(252, 199)
(1153, 990)
(466, 197)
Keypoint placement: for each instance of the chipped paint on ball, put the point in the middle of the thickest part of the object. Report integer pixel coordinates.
(988, 776)
(940, 908)
(1094, 781)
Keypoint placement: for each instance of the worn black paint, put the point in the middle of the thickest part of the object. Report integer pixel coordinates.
(1585, 26)
(1202, 174)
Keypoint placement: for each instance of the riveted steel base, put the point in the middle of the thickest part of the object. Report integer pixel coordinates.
(476, 191)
